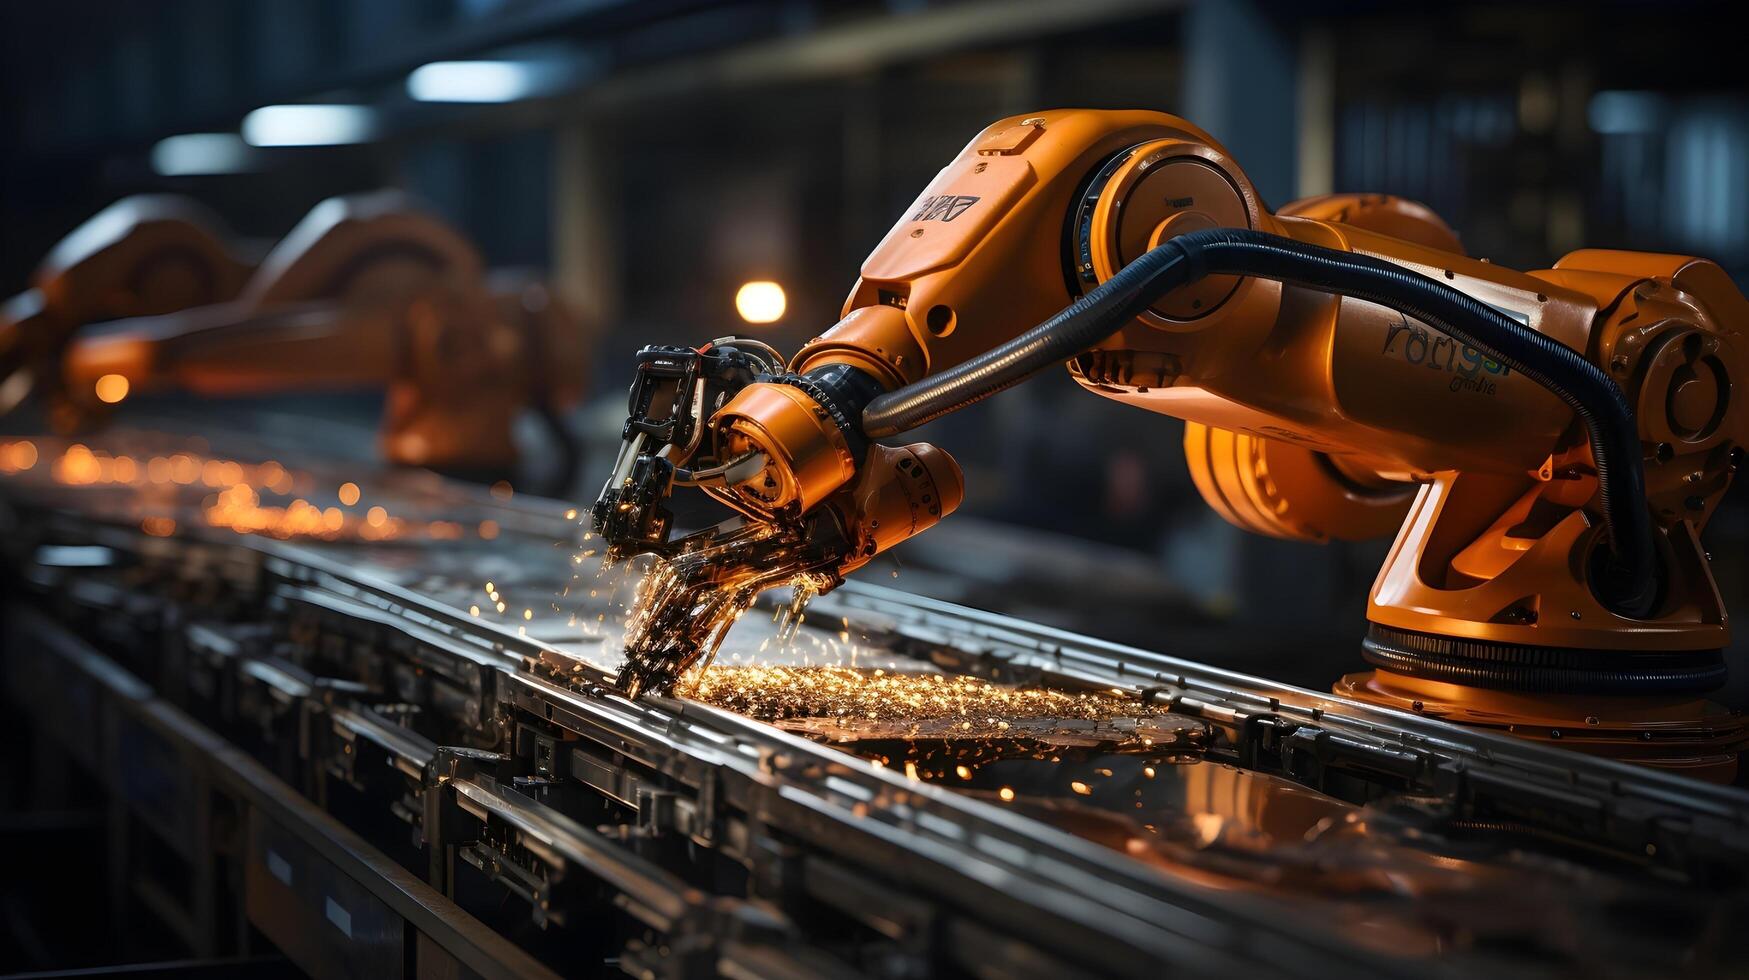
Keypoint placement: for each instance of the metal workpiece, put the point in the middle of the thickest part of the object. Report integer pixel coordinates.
(1317, 738)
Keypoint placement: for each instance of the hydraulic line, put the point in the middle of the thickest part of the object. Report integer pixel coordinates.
(743, 467)
(1629, 580)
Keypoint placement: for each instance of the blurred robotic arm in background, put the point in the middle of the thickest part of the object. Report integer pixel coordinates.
(367, 291)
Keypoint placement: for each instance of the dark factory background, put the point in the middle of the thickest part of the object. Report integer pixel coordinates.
(654, 156)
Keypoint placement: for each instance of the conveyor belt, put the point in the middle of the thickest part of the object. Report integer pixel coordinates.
(674, 837)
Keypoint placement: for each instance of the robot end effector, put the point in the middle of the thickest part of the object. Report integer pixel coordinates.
(727, 418)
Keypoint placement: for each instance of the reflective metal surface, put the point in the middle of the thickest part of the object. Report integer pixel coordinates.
(957, 788)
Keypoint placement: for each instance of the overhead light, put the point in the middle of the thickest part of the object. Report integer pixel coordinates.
(760, 302)
(309, 125)
(111, 388)
(1621, 113)
(202, 153)
(479, 81)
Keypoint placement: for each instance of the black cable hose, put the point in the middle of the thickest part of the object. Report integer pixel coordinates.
(1628, 582)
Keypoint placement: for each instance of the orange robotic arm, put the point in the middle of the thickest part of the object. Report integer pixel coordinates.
(1318, 407)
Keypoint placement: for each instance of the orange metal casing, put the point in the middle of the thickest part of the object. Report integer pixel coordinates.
(1283, 489)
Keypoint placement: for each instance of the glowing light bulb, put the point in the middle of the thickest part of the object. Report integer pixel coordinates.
(761, 301)
(111, 388)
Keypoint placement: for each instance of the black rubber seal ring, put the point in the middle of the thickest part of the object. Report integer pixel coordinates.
(1538, 669)
(843, 391)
